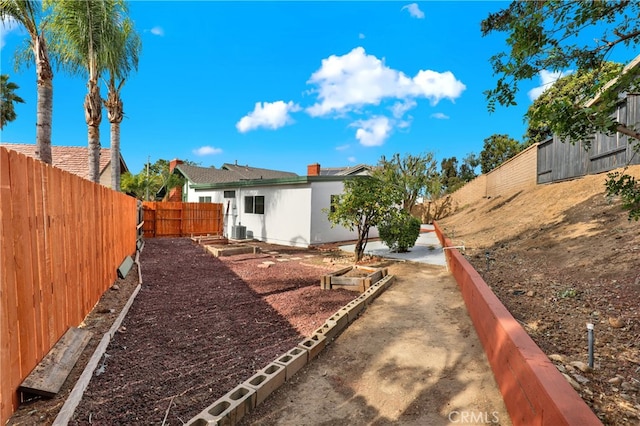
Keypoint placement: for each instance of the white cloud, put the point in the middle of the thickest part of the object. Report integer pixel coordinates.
(8, 25)
(207, 150)
(547, 78)
(347, 82)
(399, 108)
(372, 132)
(414, 10)
(270, 115)
(159, 31)
(439, 116)
(343, 147)
(361, 36)
(351, 159)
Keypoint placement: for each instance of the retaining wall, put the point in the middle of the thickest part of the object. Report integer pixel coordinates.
(516, 173)
(534, 391)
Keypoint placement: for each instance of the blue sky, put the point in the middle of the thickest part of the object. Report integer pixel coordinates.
(281, 85)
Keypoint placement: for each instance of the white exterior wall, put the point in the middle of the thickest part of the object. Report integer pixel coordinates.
(286, 218)
(292, 216)
(321, 230)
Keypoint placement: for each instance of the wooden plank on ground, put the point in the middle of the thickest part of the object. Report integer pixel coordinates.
(48, 376)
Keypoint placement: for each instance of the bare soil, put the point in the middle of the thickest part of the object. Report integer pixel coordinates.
(560, 256)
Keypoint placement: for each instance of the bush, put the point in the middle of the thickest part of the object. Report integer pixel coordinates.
(400, 232)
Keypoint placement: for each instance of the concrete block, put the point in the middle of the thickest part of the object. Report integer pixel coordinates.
(202, 420)
(341, 318)
(313, 345)
(293, 361)
(387, 281)
(328, 330)
(229, 409)
(267, 380)
(355, 307)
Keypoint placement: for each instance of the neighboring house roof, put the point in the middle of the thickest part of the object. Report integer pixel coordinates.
(73, 159)
(344, 171)
(228, 173)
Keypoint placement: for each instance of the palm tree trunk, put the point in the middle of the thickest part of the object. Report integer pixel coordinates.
(93, 117)
(44, 110)
(115, 155)
(115, 113)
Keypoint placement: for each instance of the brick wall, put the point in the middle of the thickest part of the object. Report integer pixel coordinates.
(471, 192)
(517, 173)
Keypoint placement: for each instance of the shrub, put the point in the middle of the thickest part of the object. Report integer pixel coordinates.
(400, 231)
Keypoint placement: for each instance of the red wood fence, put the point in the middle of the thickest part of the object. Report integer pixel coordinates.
(176, 219)
(62, 239)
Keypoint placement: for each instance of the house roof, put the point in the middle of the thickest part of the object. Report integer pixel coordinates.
(343, 171)
(73, 159)
(229, 173)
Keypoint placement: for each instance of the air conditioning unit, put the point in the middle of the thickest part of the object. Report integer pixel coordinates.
(239, 232)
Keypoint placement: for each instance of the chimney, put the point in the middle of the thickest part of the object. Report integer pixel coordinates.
(173, 163)
(313, 169)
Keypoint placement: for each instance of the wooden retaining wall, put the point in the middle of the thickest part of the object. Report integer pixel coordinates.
(62, 239)
(177, 219)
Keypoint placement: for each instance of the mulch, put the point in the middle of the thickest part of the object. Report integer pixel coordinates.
(200, 326)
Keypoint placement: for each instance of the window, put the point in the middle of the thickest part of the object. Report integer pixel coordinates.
(254, 204)
(229, 194)
(335, 199)
(204, 199)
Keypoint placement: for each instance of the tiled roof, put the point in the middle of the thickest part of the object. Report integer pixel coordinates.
(73, 159)
(228, 173)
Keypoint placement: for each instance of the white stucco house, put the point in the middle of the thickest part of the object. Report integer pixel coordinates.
(269, 205)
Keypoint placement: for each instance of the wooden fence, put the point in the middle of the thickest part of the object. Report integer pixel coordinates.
(558, 160)
(62, 239)
(177, 219)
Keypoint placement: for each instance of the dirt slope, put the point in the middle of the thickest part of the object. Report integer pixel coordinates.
(560, 256)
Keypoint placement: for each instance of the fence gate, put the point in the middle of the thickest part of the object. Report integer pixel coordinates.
(177, 219)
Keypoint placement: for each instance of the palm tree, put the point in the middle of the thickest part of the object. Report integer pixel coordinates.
(121, 59)
(82, 32)
(8, 97)
(26, 12)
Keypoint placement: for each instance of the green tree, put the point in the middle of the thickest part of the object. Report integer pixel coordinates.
(27, 13)
(8, 98)
(83, 35)
(399, 231)
(366, 202)
(467, 171)
(122, 58)
(497, 149)
(545, 35)
(153, 177)
(449, 175)
(552, 112)
(410, 174)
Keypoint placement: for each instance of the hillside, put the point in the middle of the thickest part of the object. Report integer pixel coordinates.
(560, 256)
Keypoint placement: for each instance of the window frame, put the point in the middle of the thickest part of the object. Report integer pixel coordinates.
(254, 204)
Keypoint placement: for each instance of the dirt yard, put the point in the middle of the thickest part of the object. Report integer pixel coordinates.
(198, 327)
(560, 256)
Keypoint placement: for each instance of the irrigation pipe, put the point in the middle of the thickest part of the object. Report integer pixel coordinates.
(74, 398)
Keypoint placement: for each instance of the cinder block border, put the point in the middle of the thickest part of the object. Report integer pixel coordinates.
(228, 410)
(534, 391)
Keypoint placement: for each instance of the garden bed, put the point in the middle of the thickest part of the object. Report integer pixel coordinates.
(353, 278)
